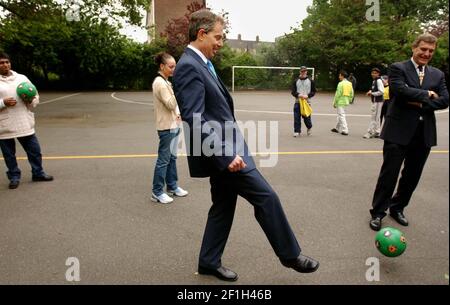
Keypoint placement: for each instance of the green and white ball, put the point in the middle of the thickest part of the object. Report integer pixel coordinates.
(390, 242)
(26, 91)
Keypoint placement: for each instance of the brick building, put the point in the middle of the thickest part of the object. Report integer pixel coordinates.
(162, 11)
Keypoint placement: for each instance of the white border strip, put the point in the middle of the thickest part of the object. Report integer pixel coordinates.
(113, 95)
(59, 98)
(291, 113)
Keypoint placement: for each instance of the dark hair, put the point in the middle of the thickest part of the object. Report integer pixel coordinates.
(343, 73)
(376, 70)
(202, 19)
(4, 55)
(425, 37)
(162, 58)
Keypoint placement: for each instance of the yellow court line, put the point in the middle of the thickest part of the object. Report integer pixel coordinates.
(280, 153)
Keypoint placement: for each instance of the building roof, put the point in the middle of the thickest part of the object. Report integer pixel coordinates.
(247, 45)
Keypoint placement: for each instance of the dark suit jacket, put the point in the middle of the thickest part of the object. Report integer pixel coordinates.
(199, 94)
(402, 118)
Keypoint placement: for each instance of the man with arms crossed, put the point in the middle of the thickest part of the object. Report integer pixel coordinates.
(416, 92)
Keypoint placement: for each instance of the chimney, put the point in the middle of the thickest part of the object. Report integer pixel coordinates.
(257, 38)
(239, 37)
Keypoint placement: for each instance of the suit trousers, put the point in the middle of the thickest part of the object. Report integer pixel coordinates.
(225, 188)
(413, 157)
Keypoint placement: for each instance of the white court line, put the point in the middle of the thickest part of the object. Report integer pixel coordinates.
(319, 114)
(290, 113)
(113, 95)
(263, 111)
(59, 98)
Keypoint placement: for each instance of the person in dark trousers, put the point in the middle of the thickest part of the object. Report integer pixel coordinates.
(204, 102)
(352, 79)
(17, 122)
(303, 87)
(385, 80)
(417, 90)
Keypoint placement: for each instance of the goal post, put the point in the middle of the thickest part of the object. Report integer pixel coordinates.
(311, 71)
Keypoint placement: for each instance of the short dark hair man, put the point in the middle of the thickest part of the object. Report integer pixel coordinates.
(376, 94)
(417, 91)
(351, 78)
(17, 122)
(202, 96)
(342, 98)
(303, 87)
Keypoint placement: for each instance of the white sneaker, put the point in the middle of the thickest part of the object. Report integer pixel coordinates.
(309, 132)
(163, 198)
(367, 136)
(179, 192)
(296, 134)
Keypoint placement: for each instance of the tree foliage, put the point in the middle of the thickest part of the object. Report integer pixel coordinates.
(336, 35)
(126, 10)
(89, 51)
(86, 53)
(177, 30)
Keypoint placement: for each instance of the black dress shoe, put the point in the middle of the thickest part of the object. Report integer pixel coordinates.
(221, 273)
(375, 223)
(14, 184)
(45, 177)
(302, 264)
(400, 218)
(334, 130)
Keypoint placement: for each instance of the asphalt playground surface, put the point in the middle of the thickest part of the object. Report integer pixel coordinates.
(101, 147)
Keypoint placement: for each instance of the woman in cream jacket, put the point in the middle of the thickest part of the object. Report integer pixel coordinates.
(167, 117)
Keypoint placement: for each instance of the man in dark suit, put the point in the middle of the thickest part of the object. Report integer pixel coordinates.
(409, 132)
(207, 109)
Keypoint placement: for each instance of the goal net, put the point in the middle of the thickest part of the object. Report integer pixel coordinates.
(264, 78)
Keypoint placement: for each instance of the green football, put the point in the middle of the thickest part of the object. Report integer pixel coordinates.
(390, 242)
(26, 91)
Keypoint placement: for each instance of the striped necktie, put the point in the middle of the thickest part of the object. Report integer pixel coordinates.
(421, 74)
(211, 68)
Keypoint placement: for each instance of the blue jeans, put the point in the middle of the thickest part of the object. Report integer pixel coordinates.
(31, 146)
(297, 119)
(166, 166)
